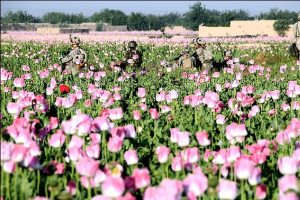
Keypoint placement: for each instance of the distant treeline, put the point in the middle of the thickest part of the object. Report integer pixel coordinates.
(196, 15)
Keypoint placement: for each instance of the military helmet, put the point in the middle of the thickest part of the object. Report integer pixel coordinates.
(227, 53)
(199, 41)
(74, 39)
(132, 44)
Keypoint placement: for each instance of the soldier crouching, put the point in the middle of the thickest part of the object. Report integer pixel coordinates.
(132, 59)
(296, 34)
(76, 60)
(186, 61)
(203, 54)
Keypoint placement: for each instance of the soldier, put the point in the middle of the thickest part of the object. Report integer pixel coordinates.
(76, 60)
(186, 60)
(297, 35)
(132, 58)
(203, 54)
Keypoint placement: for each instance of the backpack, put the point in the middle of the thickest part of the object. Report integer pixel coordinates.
(293, 50)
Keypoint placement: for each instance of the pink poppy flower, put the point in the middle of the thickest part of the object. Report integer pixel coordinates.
(287, 182)
(25, 68)
(136, 115)
(143, 106)
(202, 138)
(190, 155)
(195, 185)
(93, 151)
(162, 153)
(243, 168)
(183, 139)
(220, 157)
(141, 92)
(161, 96)
(154, 113)
(114, 144)
(288, 196)
(19, 82)
(287, 165)
(177, 163)
(261, 191)
(115, 114)
(87, 167)
(235, 130)
(18, 153)
(71, 188)
(101, 123)
(255, 177)
(13, 108)
(227, 189)
(173, 94)
(113, 187)
(57, 140)
(233, 153)
(141, 177)
(9, 166)
(6, 150)
(53, 122)
(131, 157)
(76, 142)
(84, 128)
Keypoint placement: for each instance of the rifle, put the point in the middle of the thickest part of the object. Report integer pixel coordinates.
(177, 57)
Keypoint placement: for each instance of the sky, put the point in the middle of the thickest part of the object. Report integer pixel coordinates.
(38, 8)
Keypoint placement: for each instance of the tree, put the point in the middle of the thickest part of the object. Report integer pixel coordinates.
(198, 14)
(113, 17)
(19, 17)
(137, 21)
(171, 19)
(275, 14)
(63, 18)
(281, 26)
(195, 16)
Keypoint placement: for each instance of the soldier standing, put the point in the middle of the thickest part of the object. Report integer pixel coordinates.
(203, 54)
(76, 60)
(132, 57)
(186, 60)
(297, 35)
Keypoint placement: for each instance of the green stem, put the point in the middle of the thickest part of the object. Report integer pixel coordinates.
(38, 182)
(7, 186)
(15, 183)
(166, 169)
(89, 191)
(243, 192)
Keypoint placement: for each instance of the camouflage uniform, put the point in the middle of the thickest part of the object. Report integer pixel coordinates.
(76, 60)
(296, 34)
(186, 61)
(132, 57)
(203, 54)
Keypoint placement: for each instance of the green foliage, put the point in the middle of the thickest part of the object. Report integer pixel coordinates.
(276, 14)
(198, 14)
(281, 26)
(26, 184)
(113, 17)
(19, 17)
(60, 18)
(137, 21)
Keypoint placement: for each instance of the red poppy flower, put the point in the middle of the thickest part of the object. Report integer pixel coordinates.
(64, 88)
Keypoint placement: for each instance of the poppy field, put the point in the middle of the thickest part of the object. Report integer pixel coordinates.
(169, 134)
